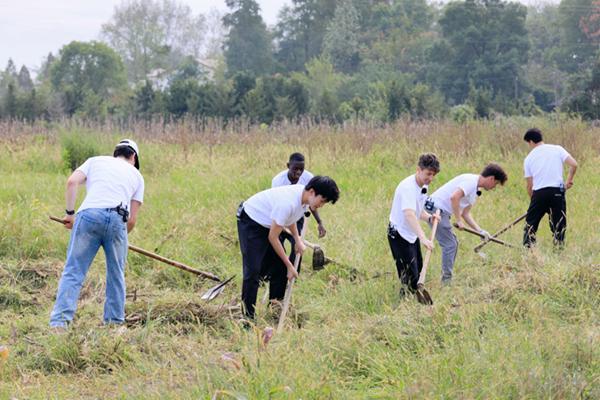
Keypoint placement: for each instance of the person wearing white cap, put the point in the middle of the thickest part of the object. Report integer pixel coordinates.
(114, 195)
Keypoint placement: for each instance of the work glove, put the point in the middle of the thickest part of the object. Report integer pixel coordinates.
(486, 234)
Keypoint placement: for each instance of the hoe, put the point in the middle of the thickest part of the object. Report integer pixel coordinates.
(423, 296)
(210, 294)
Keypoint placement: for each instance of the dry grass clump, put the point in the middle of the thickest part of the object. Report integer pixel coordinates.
(184, 313)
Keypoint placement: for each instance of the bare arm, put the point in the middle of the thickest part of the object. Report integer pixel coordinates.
(135, 207)
(425, 216)
(466, 214)
(274, 233)
(321, 227)
(411, 217)
(570, 161)
(529, 185)
(455, 201)
(77, 178)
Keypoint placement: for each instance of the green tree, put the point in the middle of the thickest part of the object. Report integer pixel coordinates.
(300, 31)
(248, 44)
(585, 99)
(144, 100)
(86, 69)
(340, 44)
(152, 34)
(578, 48)
(11, 102)
(323, 84)
(484, 42)
(543, 73)
(24, 79)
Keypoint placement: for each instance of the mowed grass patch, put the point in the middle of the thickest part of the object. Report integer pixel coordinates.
(515, 324)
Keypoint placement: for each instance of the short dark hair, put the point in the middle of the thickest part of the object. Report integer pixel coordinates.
(123, 151)
(296, 157)
(493, 169)
(429, 161)
(533, 135)
(324, 186)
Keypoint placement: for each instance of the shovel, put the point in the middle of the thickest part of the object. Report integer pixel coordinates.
(423, 295)
(208, 295)
(492, 239)
(318, 260)
(288, 290)
(500, 232)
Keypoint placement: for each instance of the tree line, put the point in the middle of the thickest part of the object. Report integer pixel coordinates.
(330, 60)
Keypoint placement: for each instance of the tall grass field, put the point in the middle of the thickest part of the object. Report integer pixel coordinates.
(516, 324)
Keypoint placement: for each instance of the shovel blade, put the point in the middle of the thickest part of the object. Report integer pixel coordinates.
(423, 296)
(318, 260)
(216, 290)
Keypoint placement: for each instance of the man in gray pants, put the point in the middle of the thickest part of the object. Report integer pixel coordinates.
(456, 198)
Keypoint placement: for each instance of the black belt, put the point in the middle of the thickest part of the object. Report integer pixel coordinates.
(122, 211)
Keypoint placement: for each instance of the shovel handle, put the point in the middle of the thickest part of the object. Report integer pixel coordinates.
(500, 232)
(492, 239)
(428, 253)
(165, 260)
(288, 290)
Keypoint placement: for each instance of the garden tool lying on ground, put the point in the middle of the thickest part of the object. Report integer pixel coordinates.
(208, 295)
(423, 296)
(491, 239)
(500, 232)
(288, 290)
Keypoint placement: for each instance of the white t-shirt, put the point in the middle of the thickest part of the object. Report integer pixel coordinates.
(281, 179)
(545, 165)
(281, 204)
(466, 182)
(408, 196)
(110, 181)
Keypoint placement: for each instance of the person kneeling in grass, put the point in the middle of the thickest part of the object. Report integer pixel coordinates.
(260, 221)
(456, 198)
(405, 234)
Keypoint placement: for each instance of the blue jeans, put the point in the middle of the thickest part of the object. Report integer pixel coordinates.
(93, 228)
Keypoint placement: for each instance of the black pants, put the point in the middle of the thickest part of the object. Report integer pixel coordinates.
(260, 262)
(286, 236)
(550, 200)
(409, 260)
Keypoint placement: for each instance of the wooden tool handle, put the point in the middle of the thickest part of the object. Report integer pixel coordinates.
(474, 232)
(165, 260)
(428, 253)
(500, 232)
(288, 290)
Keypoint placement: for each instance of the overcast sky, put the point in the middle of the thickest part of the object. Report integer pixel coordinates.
(30, 29)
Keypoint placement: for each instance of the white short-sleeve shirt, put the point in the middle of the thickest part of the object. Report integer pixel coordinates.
(544, 164)
(281, 179)
(407, 196)
(110, 181)
(281, 204)
(466, 182)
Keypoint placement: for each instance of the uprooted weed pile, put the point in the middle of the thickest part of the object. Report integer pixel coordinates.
(515, 324)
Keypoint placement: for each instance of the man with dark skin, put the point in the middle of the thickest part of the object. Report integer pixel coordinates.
(296, 174)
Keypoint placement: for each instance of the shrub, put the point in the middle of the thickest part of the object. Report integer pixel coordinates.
(76, 148)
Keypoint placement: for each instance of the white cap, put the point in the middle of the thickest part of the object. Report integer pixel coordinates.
(130, 143)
